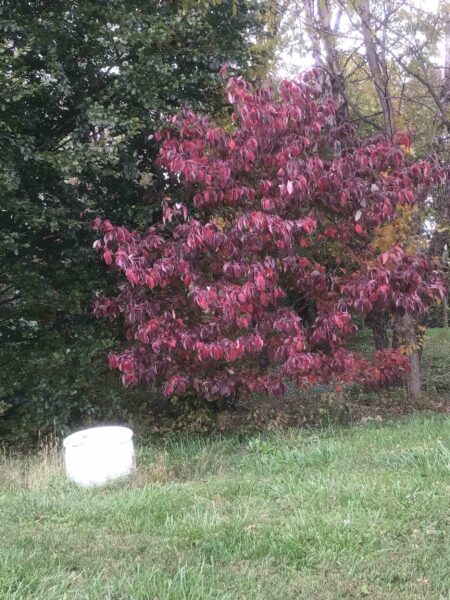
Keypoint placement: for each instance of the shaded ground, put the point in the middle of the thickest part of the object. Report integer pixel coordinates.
(146, 411)
(354, 405)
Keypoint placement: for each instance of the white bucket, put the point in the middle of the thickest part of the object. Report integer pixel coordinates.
(99, 455)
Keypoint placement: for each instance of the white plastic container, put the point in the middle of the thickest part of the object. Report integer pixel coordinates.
(99, 455)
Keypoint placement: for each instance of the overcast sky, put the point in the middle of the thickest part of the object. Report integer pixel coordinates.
(296, 59)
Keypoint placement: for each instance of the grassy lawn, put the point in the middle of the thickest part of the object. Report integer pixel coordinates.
(360, 512)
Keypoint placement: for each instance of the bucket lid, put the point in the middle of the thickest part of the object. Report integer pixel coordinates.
(99, 435)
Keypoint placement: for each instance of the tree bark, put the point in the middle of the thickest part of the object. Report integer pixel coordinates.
(445, 299)
(440, 240)
(323, 35)
(378, 67)
(408, 338)
(379, 330)
(396, 334)
(414, 377)
(444, 244)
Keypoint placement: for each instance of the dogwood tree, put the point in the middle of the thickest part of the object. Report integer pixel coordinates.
(278, 214)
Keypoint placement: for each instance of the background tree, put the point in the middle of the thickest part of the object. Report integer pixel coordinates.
(389, 71)
(84, 86)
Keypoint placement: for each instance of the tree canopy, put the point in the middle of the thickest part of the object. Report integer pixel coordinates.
(84, 86)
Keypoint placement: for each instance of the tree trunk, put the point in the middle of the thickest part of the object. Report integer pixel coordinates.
(379, 330)
(445, 299)
(408, 338)
(323, 35)
(440, 239)
(414, 377)
(396, 333)
(377, 66)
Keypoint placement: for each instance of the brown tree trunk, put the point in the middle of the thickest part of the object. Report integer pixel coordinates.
(396, 334)
(406, 330)
(379, 330)
(323, 39)
(440, 239)
(414, 377)
(377, 66)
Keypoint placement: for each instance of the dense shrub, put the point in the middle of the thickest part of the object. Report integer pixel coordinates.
(84, 86)
(281, 207)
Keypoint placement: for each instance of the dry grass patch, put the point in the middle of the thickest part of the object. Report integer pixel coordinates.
(157, 471)
(32, 471)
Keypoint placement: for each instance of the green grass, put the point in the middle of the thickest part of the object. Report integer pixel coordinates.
(436, 363)
(339, 513)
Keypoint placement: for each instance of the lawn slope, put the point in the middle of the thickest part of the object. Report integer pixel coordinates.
(339, 513)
